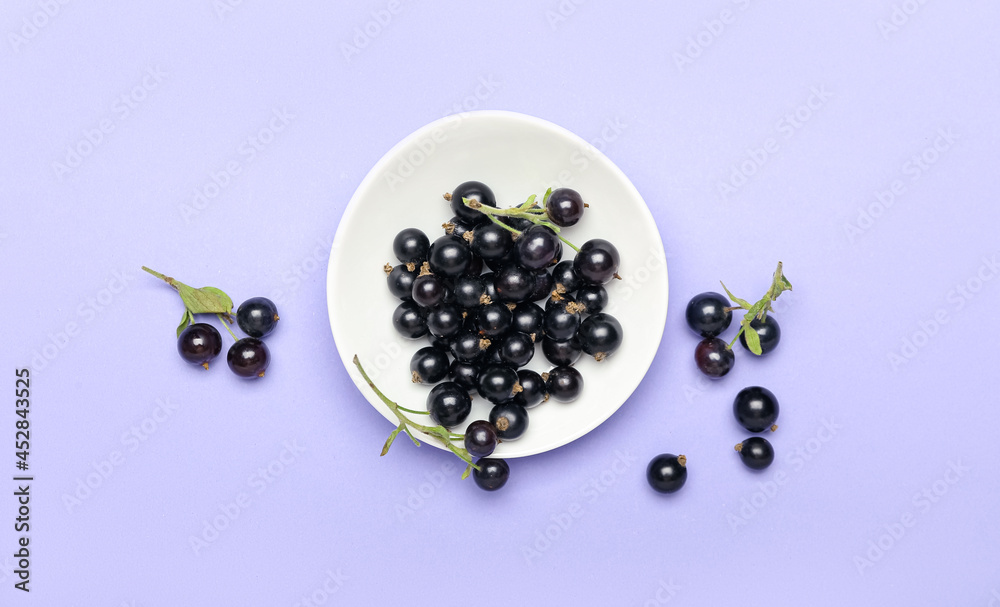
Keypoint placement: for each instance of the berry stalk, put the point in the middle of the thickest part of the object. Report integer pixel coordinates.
(528, 210)
(759, 310)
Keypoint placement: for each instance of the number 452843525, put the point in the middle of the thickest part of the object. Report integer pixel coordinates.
(22, 393)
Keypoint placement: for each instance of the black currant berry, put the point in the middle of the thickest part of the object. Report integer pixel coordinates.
(480, 438)
(564, 274)
(400, 282)
(496, 383)
(429, 290)
(409, 321)
(248, 357)
(429, 365)
(489, 288)
(713, 357)
(600, 335)
(756, 452)
(458, 227)
(449, 404)
(491, 241)
(756, 408)
(768, 331)
(257, 316)
(493, 319)
(450, 256)
(410, 246)
(473, 190)
(667, 472)
(468, 291)
(707, 315)
(561, 353)
(199, 343)
(564, 207)
(561, 321)
(465, 374)
(543, 285)
(593, 297)
(532, 389)
(564, 384)
(527, 318)
(469, 347)
(538, 247)
(510, 421)
(597, 262)
(516, 349)
(445, 320)
(514, 283)
(492, 473)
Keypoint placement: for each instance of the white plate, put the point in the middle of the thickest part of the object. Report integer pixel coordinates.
(516, 155)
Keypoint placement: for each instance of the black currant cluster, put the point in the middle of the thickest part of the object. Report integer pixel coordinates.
(199, 343)
(472, 294)
(709, 314)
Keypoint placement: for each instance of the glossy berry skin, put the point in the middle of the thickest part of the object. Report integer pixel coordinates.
(489, 288)
(429, 365)
(756, 452)
(468, 290)
(667, 473)
(480, 438)
(597, 262)
(514, 283)
(713, 357)
(755, 408)
(510, 421)
(527, 318)
(706, 314)
(538, 247)
(429, 290)
(445, 320)
(257, 316)
(594, 297)
(492, 473)
(561, 353)
(467, 347)
(459, 227)
(411, 246)
(496, 383)
(474, 190)
(600, 335)
(532, 391)
(543, 285)
(449, 404)
(400, 282)
(450, 256)
(493, 319)
(409, 321)
(465, 374)
(559, 323)
(475, 266)
(768, 331)
(564, 207)
(199, 343)
(564, 384)
(491, 241)
(441, 343)
(248, 357)
(496, 264)
(564, 274)
(516, 349)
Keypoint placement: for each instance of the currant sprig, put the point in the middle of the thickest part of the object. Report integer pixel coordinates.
(759, 310)
(407, 425)
(206, 300)
(529, 210)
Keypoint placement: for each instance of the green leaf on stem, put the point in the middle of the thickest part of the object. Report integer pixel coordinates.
(545, 199)
(468, 471)
(743, 303)
(392, 437)
(753, 340)
(186, 320)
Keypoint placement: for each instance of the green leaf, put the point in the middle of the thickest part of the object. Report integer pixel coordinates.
(392, 437)
(753, 340)
(743, 303)
(206, 300)
(545, 199)
(186, 320)
(468, 470)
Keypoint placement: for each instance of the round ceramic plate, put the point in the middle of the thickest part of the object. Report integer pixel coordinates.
(516, 155)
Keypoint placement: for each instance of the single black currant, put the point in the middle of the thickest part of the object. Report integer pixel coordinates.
(457, 227)
(707, 315)
(527, 318)
(600, 335)
(532, 389)
(409, 321)
(564, 274)
(468, 291)
(561, 322)
(538, 247)
(543, 285)
(445, 320)
(564, 207)
(450, 255)
(756, 408)
(497, 383)
(597, 262)
(489, 288)
(449, 404)
(667, 473)
(491, 241)
(410, 246)
(768, 331)
(429, 365)
(199, 343)
(514, 283)
(495, 264)
(492, 473)
(516, 349)
(480, 438)
(257, 316)
(510, 421)
(400, 281)
(713, 357)
(465, 374)
(473, 190)
(248, 357)
(564, 384)
(756, 452)
(561, 353)
(429, 290)
(593, 297)
(469, 347)
(493, 319)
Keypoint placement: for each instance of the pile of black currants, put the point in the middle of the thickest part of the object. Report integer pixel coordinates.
(484, 295)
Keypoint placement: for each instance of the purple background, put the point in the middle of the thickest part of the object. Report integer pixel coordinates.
(889, 336)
